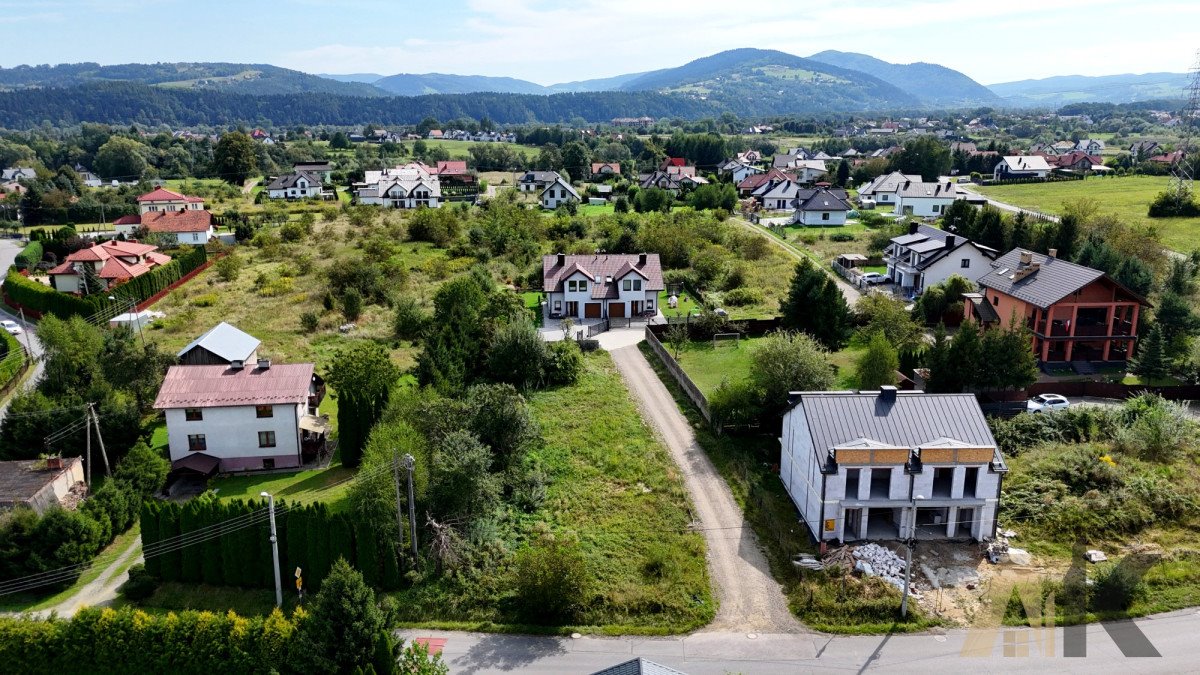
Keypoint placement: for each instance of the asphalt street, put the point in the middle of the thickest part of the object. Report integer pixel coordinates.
(9, 248)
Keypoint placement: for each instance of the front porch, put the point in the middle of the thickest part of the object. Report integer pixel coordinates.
(888, 520)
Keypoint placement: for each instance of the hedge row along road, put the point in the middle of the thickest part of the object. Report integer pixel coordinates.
(9, 248)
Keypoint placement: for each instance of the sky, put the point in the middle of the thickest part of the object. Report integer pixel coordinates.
(551, 41)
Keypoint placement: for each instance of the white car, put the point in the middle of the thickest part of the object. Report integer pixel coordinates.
(10, 326)
(874, 278)
(1047, 402)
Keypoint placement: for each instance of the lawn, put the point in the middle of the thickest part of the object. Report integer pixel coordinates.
(1126, 197)
(299, 487)
(612, 484)
(819, 239)
(686, 304)
(596, 210)
(708, 365)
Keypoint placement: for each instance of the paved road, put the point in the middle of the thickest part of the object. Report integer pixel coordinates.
(1004, 206)
(1172, 635)
(849, 292)
(9, 248)
(750, 599)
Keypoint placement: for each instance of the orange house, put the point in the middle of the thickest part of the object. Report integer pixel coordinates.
(1077, 314)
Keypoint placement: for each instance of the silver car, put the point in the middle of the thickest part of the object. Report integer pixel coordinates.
(1047, 402)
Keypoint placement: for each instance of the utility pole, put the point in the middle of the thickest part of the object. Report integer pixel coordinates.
(25, 330)
(96, 421)
(908, 551)
(410, 464)
(399, 512)
(274, 547)
(88, 428)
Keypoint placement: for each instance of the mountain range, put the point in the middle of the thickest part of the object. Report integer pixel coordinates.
(749, 83)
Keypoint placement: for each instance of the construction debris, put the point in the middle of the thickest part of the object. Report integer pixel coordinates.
(807, 561)
(1094, 556)
(839, 557)
(1019, 556)
(876, 561)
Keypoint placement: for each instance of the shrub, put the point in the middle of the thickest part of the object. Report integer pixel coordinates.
(410, 318)
(205, 300)
(140, 585)
(786, 361)
(564, 363)
(309, 321)
(740, 297)
(352, 304)
(551, 580)
(589, 345)
(229, 267)
(292, 232)
(1116, 586)
(841, 237)
(516, 354)
(735, 405)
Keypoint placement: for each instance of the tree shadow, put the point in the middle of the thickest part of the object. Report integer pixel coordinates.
(508, 652)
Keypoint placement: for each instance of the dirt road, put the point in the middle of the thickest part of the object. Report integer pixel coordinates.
(750, 599)
(103, 589)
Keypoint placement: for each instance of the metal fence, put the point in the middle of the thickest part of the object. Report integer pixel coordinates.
(595, 329)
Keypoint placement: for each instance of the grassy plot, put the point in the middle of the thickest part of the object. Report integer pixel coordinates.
(822, 600)
(614, 487)
(709, 364)
(1127, 197)
(298, 487)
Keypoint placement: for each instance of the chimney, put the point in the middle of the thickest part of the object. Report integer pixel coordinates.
(1026, 258)
(237, 364)
(951, 240)
(562, 259)
(641, 259)
(1053, 253)
(887, 393)
(264, 364)
(54, 463)
(912, 228)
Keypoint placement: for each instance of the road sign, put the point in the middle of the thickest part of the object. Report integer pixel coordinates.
(297, 572)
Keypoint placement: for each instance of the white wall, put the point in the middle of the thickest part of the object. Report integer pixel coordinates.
(952, 264)
(814, 218)
(923, 206)
(800, 469)
(232, 432)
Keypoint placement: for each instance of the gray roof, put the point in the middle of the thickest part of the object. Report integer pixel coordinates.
(1054, 280)
(289, 180)
(638, 666)
(225, 341)
(936, 190)
(912, 420)
(888, 182)
(540, 177)
(822, 200)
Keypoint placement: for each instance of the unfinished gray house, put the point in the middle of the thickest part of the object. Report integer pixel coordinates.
(858, 465)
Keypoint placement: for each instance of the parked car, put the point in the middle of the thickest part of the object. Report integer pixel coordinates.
(874, 278)
(1047, 402)
(11, 327)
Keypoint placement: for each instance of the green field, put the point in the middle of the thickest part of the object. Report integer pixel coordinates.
(1126, 197)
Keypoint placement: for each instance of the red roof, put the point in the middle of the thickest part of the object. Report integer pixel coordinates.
(189, 220)
(760, 179)
(451, 167)
(128, 220)
(221, 385)
(599, 268)
(674, 161)
(165, 195)
(111, 254)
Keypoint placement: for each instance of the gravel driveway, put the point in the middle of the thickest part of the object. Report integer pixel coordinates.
(750, 599)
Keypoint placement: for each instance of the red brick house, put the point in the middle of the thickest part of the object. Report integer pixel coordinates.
(1076, 313)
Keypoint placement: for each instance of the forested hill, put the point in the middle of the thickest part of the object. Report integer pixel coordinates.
(129, 103)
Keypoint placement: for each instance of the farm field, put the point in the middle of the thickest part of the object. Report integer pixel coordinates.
(1126, 197)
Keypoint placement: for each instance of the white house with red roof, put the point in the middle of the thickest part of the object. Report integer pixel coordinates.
(112, 262)
(242, 416)
(601, 286)
(165, 212)
(162, 199)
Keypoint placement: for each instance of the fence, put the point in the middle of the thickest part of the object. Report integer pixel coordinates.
(592, 330)
(693, 392)
(1187, 392)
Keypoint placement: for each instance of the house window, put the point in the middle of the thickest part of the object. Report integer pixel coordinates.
(269, 463)
(558, 305)
(825, 216)
(196, 443)
(627, 285)
(649, 304)
(965, 263)
(995, 300)
(582, 286)
(637, 284)
(193, 414)
(266, 439)
(571, 287)
(261, 411)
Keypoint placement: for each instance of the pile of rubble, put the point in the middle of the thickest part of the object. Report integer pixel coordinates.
(876, 561)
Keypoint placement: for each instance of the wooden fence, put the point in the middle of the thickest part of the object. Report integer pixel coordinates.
(693, 392)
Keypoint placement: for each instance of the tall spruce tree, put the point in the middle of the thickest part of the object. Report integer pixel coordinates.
(815, 305)
(362, 376)
(1151, 360)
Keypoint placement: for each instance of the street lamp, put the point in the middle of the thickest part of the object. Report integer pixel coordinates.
(274, 547)
(908, 551)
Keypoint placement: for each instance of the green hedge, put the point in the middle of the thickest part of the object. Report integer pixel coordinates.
(310, 537)
(41, 298)
(9, 367)
(30, 256)
(130, 641)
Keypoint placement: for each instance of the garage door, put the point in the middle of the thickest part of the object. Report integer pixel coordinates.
(591, 310)
(616, 310)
